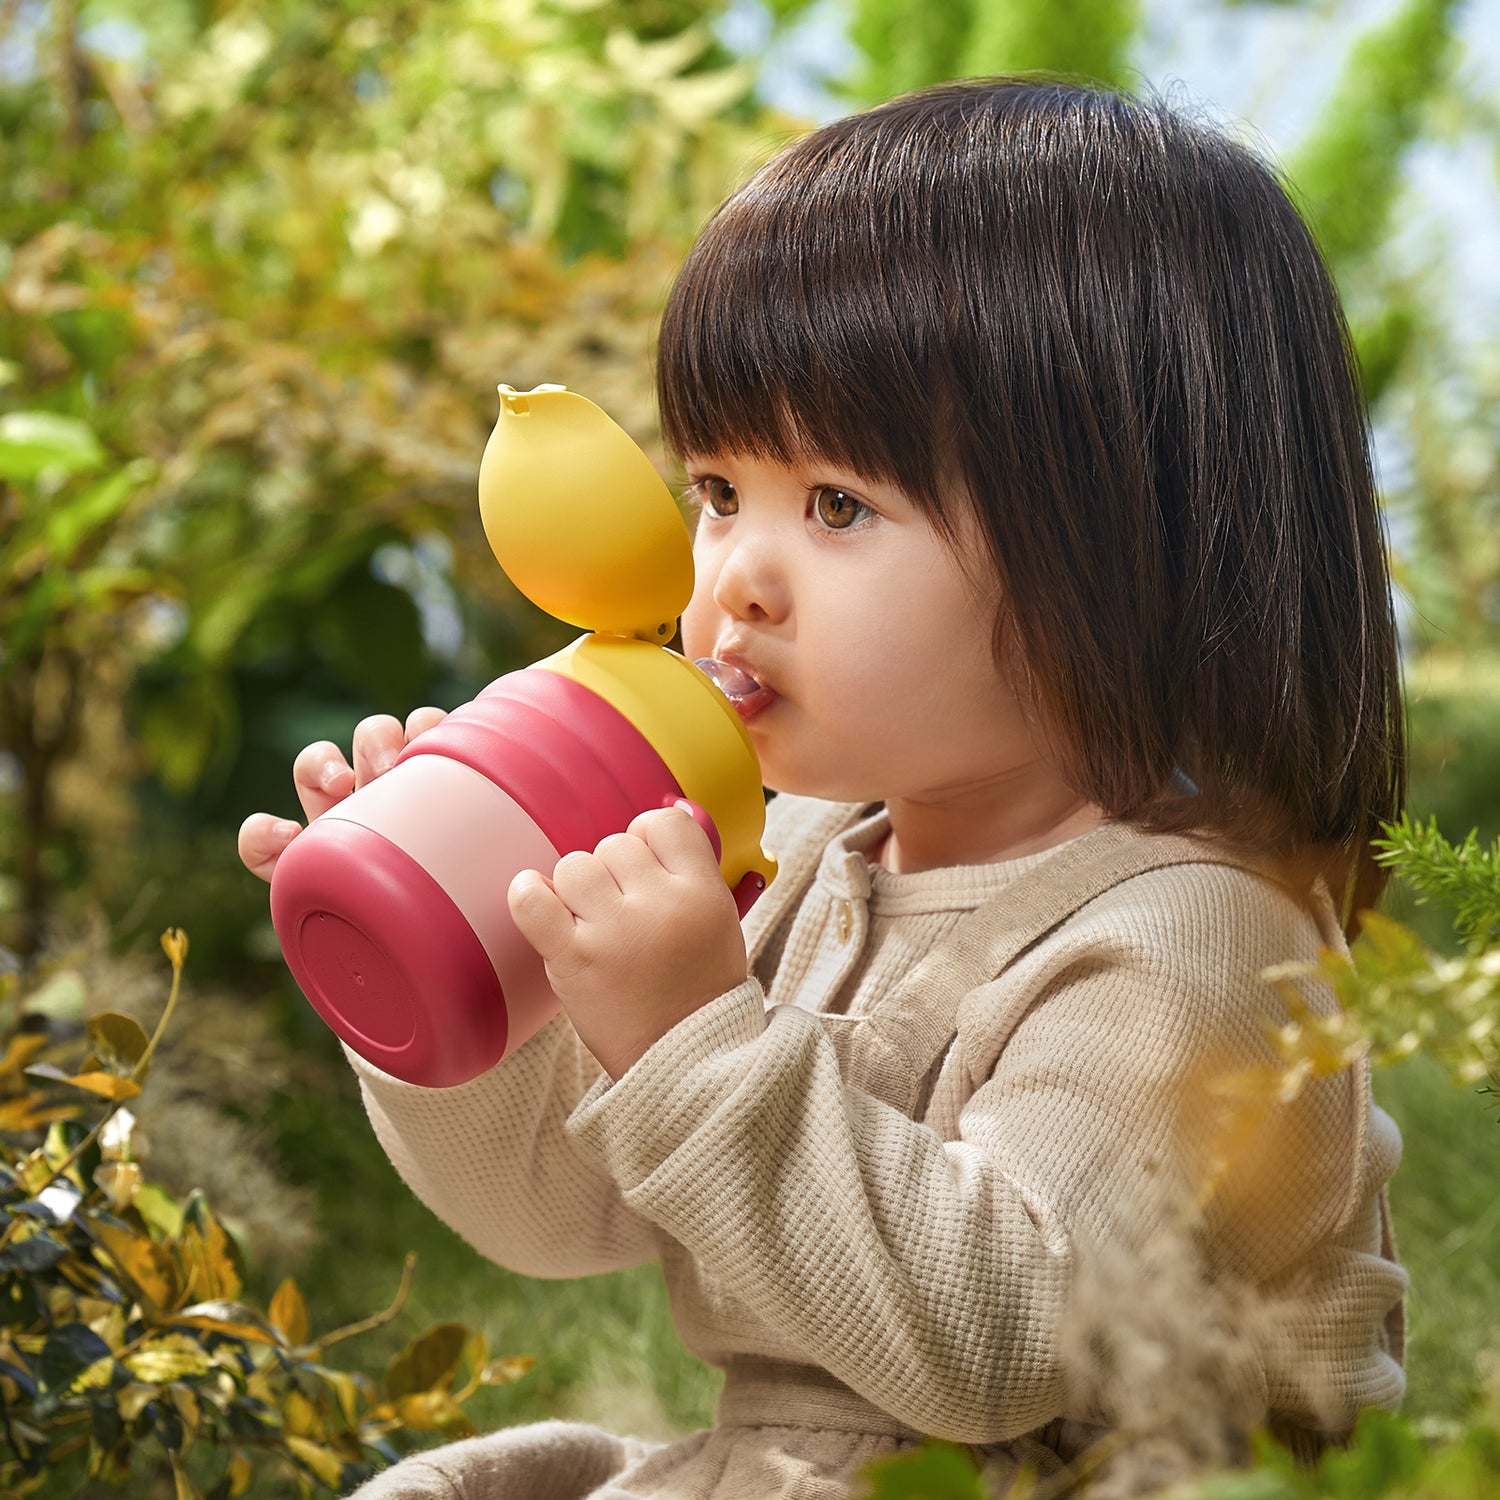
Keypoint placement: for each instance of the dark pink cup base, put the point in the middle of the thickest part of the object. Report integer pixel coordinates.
(371, 937)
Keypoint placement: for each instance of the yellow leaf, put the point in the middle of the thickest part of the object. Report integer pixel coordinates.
(327, 1465)
(185, 1488)
(433, 1411)
(105, 1085)
(161, 1211)
(504, 1371)
(133, 1399)
(300, 1416)
(22, 1048)
(347, 1391)
(289, 1312)
(119, 1040)
(119, 1180)
(187, 1406)
(429, 1362)
(95, 1376)
(233, 1319)
(28, 1111)
(169, 1357)
(208, 1261)
(148, 1265)
(241, 1473)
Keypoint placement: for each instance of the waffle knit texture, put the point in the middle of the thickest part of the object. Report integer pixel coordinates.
(877, 1172)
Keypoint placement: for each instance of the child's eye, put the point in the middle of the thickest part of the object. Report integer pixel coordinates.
(838, 509)
(716, 496)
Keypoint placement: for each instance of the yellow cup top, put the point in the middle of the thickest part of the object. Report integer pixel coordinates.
(579, 519)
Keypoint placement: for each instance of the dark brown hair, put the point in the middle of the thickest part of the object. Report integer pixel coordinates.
(1104, 328)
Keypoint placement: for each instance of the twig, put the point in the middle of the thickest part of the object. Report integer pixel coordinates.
(375, 1320)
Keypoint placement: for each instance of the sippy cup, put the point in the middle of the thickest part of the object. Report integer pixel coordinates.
(391, 907)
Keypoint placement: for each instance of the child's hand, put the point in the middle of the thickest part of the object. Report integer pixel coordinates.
(636, 936)
(323, 778)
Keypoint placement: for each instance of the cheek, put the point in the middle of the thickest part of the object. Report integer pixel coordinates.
(700, 622)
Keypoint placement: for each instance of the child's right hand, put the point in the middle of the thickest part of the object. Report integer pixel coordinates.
(323, 778)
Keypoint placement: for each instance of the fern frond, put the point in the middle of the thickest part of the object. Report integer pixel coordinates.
(1465, 877)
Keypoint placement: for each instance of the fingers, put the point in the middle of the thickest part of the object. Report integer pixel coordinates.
(263, 839)
(378, 740)
(420, 720)
(539, 913)
(322, 777)
(676, 840)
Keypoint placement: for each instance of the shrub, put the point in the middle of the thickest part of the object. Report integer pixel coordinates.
(126, 1344)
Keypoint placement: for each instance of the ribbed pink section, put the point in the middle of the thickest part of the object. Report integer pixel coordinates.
(577, 765)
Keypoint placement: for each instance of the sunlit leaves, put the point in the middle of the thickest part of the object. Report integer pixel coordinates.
(37, 443)
(125, 1309)
(288, 1312)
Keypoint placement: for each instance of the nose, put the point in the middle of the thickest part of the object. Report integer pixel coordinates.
(745, 576)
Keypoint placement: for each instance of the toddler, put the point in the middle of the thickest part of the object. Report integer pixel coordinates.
(1033, 493)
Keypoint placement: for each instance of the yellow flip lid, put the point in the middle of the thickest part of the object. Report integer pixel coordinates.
(579, 519)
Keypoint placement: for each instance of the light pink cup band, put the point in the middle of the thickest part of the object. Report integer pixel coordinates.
(473, 839)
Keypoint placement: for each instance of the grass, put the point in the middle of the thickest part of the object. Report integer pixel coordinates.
(605, 1347)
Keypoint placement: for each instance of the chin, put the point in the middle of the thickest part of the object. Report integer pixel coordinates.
(829, 788)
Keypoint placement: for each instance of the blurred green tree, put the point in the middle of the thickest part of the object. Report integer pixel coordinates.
(259, 265)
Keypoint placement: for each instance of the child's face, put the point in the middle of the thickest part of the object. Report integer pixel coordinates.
(843, 602)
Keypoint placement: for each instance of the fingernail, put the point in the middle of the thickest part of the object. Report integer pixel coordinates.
(333, 773)
(286, 829)
(381, 764)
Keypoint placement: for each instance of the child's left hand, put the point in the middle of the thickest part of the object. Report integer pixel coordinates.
(635, 936)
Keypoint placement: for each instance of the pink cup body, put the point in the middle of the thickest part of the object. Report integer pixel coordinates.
(391, 907)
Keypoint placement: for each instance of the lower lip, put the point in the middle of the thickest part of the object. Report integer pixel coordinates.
(753, 705)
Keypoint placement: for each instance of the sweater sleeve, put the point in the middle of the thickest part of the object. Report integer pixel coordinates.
(932, 1274)
(492, 1159)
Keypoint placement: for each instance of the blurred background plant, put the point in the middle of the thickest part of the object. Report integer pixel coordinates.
(127, 1356)
(261, 266)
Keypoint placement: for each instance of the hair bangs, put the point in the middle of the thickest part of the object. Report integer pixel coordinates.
(792, 332)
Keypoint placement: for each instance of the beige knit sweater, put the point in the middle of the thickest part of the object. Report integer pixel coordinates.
(875, 1172)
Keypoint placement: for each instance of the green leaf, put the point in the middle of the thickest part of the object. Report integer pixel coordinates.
(119, 1041)
(428, 1362)
(1385, 1457)
(935, 1471)
(1347, 171)
(161, 1211)
(71, 522)
(68, 1353)
(33, 442)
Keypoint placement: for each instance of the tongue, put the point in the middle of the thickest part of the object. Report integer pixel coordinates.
(733, 682)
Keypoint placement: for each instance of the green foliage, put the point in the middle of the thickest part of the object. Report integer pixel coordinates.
(1087, 39)
(1348, 169)
(260, 271)
(905, 47)
(935, 1471)
(124, 1337)
(1462, 876)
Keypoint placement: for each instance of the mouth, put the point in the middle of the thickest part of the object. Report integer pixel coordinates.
(746, 693)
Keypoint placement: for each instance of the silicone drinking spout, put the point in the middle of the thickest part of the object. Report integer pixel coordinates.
(734, 682)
